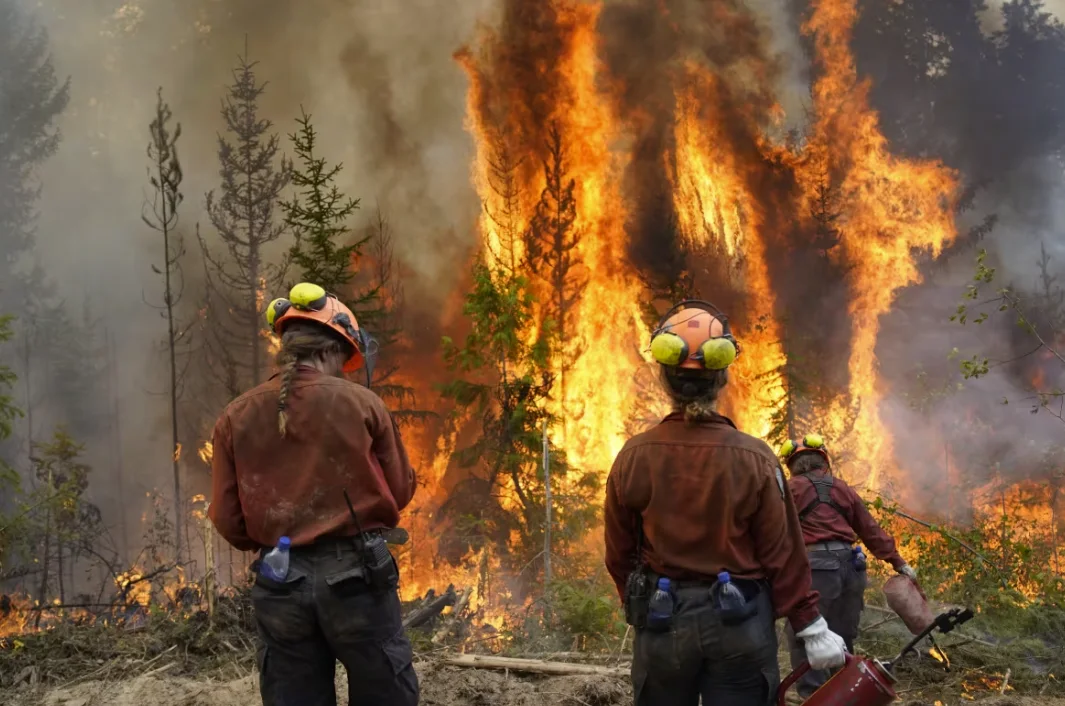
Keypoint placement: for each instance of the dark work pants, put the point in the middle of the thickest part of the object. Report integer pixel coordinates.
(727, 665)
(842, 589)
(306, 625)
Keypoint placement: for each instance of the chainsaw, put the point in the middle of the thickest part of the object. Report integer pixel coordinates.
(864, 681)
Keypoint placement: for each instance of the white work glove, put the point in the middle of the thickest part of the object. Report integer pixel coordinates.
(907, 571)
(824, 648)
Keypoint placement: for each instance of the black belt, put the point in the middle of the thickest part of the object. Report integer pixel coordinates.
(832, 546)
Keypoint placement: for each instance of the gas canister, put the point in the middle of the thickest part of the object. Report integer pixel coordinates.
(861, 682)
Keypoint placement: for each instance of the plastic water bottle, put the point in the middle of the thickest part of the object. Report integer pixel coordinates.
(275, 564)
(730, 600)
(660, 609)
(858, 560)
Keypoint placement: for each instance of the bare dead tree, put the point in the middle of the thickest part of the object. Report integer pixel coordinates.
(160, 213)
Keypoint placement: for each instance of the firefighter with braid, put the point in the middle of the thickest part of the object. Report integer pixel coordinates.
(285, 453)
(697, 513)
(833, 519)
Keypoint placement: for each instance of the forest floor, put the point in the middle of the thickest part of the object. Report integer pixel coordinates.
(441, 686)
(165, 660)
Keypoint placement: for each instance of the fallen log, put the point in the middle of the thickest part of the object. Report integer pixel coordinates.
(431, 609)
(533, 666)
(452, 620)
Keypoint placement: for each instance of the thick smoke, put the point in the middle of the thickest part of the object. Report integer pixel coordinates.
(389, 102)
(384, 93)
(991, 110)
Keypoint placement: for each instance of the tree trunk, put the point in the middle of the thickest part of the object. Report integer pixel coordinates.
(59, 569)
(116, 442)
(43, 593)
(174, 445)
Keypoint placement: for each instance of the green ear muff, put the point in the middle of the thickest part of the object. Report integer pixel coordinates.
(813, 441)
(276, 310)
(718, 353)
(307, 295)
(669, 349)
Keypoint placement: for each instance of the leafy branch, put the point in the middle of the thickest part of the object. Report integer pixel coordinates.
(1008, 300)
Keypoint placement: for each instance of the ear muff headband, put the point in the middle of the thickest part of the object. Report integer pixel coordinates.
(718, 353)
(308, 296)
(810, 442)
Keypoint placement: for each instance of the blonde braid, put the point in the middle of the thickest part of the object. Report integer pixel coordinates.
(291, 365)
(302, 341)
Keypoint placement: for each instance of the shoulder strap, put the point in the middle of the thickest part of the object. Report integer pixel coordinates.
(823, 488)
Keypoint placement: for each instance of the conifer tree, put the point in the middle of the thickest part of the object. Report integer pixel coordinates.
(31, 101)
(242, 279)
(318, 216)
(504, 382)
(552, 242)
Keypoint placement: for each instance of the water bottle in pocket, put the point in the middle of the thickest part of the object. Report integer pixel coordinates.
(274, 565)
(858, 560)
(660, 609)
(732, 605)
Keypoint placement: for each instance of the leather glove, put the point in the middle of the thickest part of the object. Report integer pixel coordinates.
(907, 571)
(824, 648)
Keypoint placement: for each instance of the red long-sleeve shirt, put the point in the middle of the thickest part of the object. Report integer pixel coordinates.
(340, 436)
(825, 524)
(711, 499)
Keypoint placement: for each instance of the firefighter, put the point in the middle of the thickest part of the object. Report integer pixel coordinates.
(833, 519)
(689, 499)
(284, 452)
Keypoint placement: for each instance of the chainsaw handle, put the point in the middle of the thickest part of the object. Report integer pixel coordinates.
(796, 675)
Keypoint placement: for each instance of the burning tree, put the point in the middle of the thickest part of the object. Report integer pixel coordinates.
(243, 216)
(552, 242)
(502, 502)
(160, 214)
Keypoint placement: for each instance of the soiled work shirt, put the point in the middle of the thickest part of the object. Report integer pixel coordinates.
(339, 436)
(712, 499)
(825, 524)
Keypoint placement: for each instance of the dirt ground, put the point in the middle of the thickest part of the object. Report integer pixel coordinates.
(441, 686)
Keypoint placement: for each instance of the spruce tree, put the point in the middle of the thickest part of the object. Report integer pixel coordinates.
(241, 279)
(31, 101)
(9, 411)
(503, 386)
(552, 242)
(318, 216)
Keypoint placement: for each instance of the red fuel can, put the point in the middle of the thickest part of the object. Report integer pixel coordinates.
(861, 682)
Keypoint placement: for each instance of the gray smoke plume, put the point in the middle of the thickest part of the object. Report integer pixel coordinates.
(384, 93)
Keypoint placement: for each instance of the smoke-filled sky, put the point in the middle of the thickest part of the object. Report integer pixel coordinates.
(379, 81)
(386, 95)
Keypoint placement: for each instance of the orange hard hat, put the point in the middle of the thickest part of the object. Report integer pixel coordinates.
(310, 302)
(694, 335)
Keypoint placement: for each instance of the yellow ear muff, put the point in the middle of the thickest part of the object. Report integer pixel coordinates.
(787, 449)
(669, 349)
(718, 353)
(276, 310)
(307, 295)
(813, 441)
